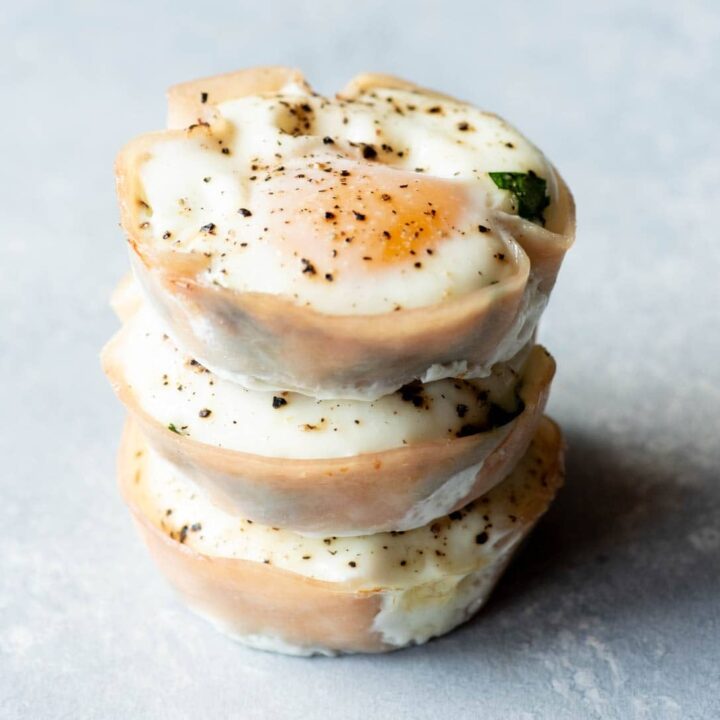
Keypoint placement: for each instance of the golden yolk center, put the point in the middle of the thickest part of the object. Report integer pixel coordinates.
(370, 212)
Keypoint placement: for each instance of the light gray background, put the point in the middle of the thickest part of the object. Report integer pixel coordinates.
(613, 610)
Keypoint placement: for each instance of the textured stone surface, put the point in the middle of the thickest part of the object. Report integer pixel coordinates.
(613, 609)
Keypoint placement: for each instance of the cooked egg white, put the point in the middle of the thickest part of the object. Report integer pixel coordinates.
(188, 399)
(348, 207)
(442, 552)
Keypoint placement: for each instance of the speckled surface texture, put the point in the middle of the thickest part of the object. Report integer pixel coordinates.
(613, 609)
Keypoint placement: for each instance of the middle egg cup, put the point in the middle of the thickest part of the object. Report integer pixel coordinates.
(323, 467)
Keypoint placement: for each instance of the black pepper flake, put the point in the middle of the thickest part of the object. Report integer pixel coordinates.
(203, 97)
(385, 197)
(329, 215)
(483, 229)
(358, 215)
(352, 563)
(245, 212)
(166, 235)
(205, 413)
(498, 415)
(470, 429)
(481, 538)
(328, 140)
(278, 402)
(463, 126)
(209, 228)
(308, 267)
(183, 533)
(329, 277)
(369, 152)
(225, 151)
(344, 173)
(457, 515)
(403, 563)
(413, 393)
(461, 410)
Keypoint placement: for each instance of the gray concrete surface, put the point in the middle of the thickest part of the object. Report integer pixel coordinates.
(613, 610)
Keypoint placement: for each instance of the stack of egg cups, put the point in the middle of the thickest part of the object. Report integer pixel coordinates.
(323, 482)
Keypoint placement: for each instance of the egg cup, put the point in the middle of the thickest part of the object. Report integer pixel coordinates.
(265, 340)
(284, 593)
(397, 488)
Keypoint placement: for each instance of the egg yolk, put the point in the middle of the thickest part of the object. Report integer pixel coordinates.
(365, 214)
